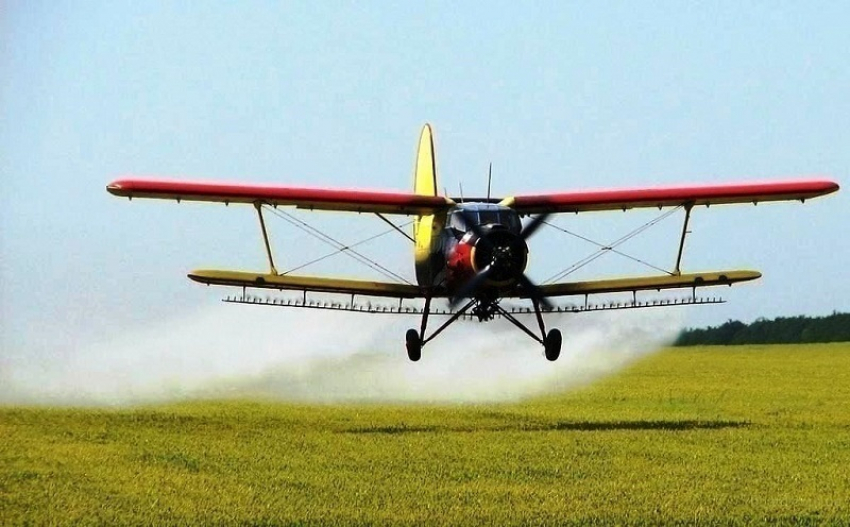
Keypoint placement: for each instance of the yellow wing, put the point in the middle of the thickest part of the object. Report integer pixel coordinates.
(647, 283)
(306, 283)
(398, 290)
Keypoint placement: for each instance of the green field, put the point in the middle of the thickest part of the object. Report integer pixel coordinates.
(757, 434)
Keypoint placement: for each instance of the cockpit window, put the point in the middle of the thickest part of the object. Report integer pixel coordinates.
(489, 216)
(485, 217)
(511, 221)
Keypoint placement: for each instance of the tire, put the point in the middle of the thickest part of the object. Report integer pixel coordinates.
(552, 345)
(414, 345)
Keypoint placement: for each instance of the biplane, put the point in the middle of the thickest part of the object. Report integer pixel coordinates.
(472, 252)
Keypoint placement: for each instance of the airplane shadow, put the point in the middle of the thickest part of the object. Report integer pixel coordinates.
(575, 426)
(667, 425)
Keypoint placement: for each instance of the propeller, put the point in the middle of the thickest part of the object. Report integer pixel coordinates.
(471, 285)
(468, 289)
(534, 292)
(533, 225)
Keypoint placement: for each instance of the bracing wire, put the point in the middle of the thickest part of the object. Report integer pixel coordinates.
(336, 244)
(608, 248)
(334, 253)
(611, 247)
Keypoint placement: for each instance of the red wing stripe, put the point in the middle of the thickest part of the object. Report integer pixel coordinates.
(674, 195)
(343, 199)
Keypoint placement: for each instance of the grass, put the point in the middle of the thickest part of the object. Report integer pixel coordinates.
(757, 434)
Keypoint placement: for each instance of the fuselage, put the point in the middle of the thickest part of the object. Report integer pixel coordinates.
(474, 237)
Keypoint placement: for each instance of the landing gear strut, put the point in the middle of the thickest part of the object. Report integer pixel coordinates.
(414, 341)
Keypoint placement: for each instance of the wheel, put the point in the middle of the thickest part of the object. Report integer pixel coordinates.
(414, 345)
(552, 345)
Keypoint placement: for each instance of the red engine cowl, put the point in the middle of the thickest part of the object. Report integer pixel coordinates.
(459, 267)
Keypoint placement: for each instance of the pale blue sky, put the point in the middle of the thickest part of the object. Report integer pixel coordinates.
(558, 96)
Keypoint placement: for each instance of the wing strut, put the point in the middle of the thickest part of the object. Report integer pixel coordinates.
(688, 207)
(259, 206)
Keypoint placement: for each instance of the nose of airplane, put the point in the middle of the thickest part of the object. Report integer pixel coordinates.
(504, 252)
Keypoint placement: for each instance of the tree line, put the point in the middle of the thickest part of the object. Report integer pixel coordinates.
(782, 330)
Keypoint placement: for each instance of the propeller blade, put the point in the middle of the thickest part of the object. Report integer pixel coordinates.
(471, 286)
(534, 291)
(535, 224)
(471, 224)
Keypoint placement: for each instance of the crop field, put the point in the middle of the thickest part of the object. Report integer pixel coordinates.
(737, 435)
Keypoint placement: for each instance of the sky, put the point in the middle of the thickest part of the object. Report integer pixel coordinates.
(558, 96)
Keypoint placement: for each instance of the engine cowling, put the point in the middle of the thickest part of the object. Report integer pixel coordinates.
(503, 251)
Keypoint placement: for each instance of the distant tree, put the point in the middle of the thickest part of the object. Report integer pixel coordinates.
(782, 330)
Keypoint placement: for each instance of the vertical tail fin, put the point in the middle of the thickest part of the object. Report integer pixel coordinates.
(425, 173)
(427, 227)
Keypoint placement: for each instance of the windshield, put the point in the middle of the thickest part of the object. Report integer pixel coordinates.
(504, 217)
(489, 216)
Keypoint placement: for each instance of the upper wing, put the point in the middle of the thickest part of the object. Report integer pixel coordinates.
(627, 198)
(302, 197)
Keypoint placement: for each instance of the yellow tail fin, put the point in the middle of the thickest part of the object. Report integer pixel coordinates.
(427, 227)
(425, 173)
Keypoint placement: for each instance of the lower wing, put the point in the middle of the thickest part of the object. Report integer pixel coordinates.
(319, 284)
(307, 283)
(648, 283)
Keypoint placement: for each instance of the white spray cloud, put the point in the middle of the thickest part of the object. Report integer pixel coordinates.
(319, 356)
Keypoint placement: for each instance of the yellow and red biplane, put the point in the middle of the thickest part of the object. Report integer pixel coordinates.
(472, 252)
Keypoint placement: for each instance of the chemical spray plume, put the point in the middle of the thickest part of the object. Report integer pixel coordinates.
(308, 356)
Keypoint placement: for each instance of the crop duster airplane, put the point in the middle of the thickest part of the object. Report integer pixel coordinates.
(472, 252)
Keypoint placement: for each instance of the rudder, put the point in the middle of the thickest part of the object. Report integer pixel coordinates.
(425, 172)
(426, 227)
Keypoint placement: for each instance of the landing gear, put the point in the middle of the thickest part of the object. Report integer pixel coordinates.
(414, 345)
(552, 345)
(551, 341)
(414, 341)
